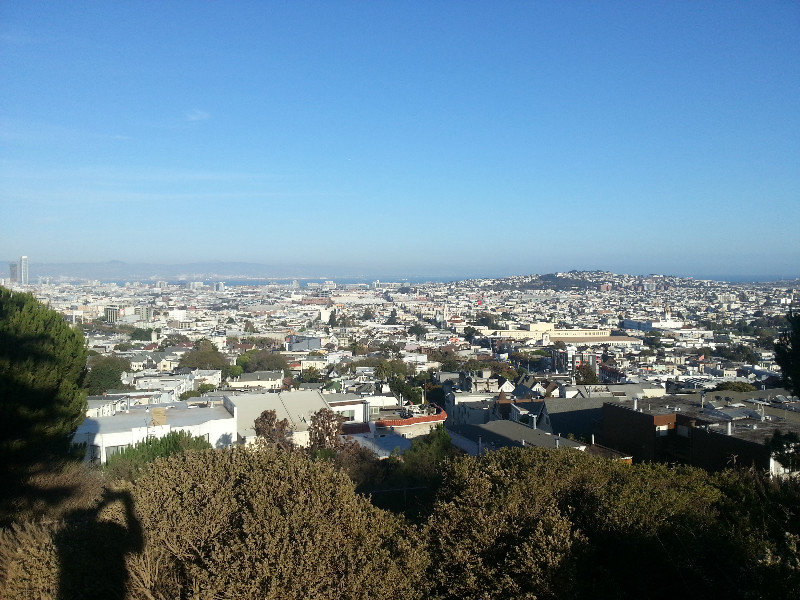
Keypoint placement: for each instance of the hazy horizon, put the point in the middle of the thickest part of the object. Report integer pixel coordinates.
(116, 270)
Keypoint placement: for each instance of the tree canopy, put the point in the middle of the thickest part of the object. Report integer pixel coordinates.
(143, 335)
(324, 430)
(787, 353)
(273, 431)
(734, 386)
(130, 462)
(262, 360)
(105, 373)
(204, 355)
(585, 375)
(417, 330)
(289, 528)
(42, 367)
(42, 401)
(525, 523)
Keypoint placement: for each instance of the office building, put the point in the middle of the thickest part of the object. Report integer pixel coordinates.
(23, 270)
(112, 314)
(13, 270)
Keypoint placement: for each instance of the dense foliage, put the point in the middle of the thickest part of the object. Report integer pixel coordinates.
(787, 354)
(42, 365)
(517, 523)
(262, 360)
(537, 523)
(129, 463)
(205, 355)
(734, 386)
(267, 524)
(273, 431)
(105, 373)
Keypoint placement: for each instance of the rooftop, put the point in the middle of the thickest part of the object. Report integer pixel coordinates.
(178, 414)
(502, 434)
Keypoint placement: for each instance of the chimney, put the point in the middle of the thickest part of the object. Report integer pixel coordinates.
(636, 403)
(730, 427)
(480, 446)
(557, 440)
(592, 439)
(534, 421)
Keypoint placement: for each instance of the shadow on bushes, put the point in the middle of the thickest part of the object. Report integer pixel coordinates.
(93, 545)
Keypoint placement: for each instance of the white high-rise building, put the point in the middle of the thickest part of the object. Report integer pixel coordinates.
(23, 270)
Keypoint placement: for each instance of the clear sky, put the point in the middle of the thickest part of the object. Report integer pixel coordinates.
(408, 137)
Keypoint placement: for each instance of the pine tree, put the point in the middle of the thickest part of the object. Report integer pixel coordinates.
(42, 367)
(787, 354)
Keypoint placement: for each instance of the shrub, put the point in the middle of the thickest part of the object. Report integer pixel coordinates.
(129, 463)
(265, 523)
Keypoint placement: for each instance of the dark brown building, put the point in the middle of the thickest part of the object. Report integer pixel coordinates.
(666, 432)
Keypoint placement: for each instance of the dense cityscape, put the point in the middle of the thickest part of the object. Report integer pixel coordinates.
(401, 301)
(568, 342)
(389, 383)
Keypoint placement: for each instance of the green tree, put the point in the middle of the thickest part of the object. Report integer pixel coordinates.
(417, 330)
(201, 389)
(496, 534)
(734, 386)
(311, 375)
(273, 431)
(422, 463)
(143, 335)
(128, 464)
(356, 348)
(204, 355)
(487, 320)
(585, 375)
(172, 340)
(786, 449)
(787, 353)
(400, 387)
(105, 373)
(324, 430)
(42, 401)
(470, 333)
(392, 320)
(603, 529)
(262, 360)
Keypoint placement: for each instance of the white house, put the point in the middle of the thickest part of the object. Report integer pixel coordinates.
(107, 435)
(265, 380)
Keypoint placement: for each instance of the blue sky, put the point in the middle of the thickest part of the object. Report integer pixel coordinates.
(429, 138)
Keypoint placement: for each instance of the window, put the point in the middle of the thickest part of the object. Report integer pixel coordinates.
(349, 415)
(662, 430)
(94, 454)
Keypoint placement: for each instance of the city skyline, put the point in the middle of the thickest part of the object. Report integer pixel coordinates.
(448, 140)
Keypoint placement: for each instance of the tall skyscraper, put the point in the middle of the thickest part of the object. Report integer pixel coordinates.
(23, 270)
(13, 272)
